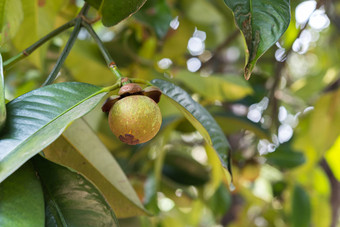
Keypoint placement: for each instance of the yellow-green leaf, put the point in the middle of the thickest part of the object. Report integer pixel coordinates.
(80, 149)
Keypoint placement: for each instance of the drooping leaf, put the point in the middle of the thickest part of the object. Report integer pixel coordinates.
(216, 87)
(2, 97)
(80, 149)
(216, 172)
(21, 199)
(301, 210)
(37, 118)
(114, 11)
(285, 157)
(262, 22)
(157, 14)
(199, 117)
(71, 199)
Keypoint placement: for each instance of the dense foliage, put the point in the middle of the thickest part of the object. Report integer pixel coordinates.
(250, 103)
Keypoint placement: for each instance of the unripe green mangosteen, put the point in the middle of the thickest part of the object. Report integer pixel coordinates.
(135, 119)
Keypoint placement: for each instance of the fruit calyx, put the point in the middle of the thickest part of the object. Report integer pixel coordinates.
(130, 88)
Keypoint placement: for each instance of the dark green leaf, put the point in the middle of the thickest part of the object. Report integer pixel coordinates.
(262, 23)
(285, 157)
(2, 97)
(157, 14)
(199, 117)
(94, 3)
(183, 169)
(220, 202)
(80, 149)
(114, 11)
(21, 199)
(301, 208)
(70, 199)
(36, 119)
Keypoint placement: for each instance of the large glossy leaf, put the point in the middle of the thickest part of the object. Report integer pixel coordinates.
(262, 22)
(38, 20)
(2, 97)
(36, 119)
(114, 11)
(21, 199)
(301, 210)
(71, 199)
(216, 87)
(80, 148)
(199, 117)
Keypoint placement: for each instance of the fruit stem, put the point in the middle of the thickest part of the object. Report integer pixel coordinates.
(113, 87)
(109, 61)
(25, 53)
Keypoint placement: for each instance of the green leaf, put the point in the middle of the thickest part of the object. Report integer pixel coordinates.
(157, 14)
(80, 148)
(262, 22)
(285, 157)
(114, 11)
(332, 158)
(185, 170)
(71, 199)
(221, 201)
(88, 52)
(216, 87)
(21, 199)
(38, 20)
(324, 121)
(301, 210)
(318, 130)
(11, 16)
(2, 97)
(199, 117)
(231, 123)
(94, 3)
(36, 119)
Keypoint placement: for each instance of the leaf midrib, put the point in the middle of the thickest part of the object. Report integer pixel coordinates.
(58, 116)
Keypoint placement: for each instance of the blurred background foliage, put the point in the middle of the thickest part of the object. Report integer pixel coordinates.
(283, 124)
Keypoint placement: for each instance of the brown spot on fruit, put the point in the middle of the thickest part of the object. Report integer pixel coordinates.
(137, 117)
(129, 139)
